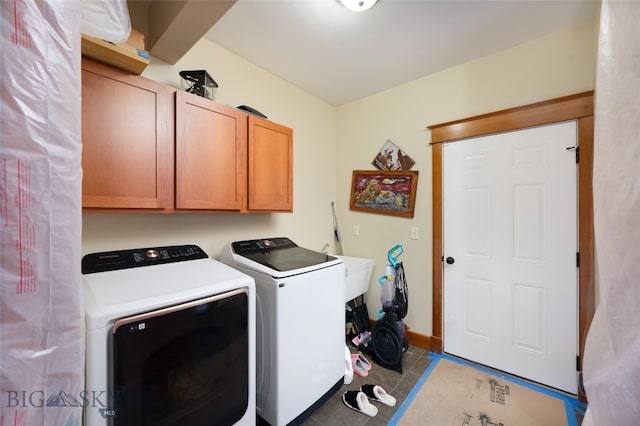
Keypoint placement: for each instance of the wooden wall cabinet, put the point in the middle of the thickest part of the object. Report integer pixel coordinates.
(211, 151)
(126, 134)
(270, 174)
(148, 147)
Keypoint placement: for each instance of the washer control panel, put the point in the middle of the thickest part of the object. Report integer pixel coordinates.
(262, 246)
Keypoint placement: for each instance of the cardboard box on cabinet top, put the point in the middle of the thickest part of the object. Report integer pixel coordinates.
(129, 56)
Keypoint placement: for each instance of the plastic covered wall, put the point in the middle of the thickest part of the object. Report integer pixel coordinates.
(41, 309)
(612, 352)
(41, 314)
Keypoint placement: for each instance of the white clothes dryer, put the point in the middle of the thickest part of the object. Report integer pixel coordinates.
(170, 336)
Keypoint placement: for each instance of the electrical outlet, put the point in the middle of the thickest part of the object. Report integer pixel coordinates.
(415, 233)
(355, 230)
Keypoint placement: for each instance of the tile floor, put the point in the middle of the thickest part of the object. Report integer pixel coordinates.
(335, 413)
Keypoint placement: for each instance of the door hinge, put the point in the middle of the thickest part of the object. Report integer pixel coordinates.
(577, 150)
(578, 259)
(577, 362)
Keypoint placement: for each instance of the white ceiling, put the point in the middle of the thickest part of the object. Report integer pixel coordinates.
(341, 56)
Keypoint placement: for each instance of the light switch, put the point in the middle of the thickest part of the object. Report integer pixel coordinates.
(355, 230)
(415, 233)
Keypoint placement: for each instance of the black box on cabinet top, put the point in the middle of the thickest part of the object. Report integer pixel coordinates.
(199, 83)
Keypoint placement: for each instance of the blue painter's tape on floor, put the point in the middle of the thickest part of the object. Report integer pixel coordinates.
(407, 402)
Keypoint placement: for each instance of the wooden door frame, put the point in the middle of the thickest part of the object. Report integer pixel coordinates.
(577, 107)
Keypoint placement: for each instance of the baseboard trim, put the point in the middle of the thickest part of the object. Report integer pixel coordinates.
(420, 340)
(436, 345)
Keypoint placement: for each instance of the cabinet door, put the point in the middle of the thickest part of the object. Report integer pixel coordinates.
(124, 139)
(270, 173)
(210, 154)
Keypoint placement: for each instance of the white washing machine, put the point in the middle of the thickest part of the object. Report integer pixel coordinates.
(170, 336)
(299, 325)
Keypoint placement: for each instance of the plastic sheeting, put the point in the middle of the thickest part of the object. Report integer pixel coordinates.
(106, 19)
(612, 353)
(41, 309)
(41, 315)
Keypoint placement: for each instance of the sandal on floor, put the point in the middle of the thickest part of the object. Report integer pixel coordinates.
(358, 401)
(359, 367)
(365, 361)
(376, 393)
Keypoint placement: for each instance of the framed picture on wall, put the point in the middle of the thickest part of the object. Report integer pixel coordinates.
(391, 157)
(384, 192)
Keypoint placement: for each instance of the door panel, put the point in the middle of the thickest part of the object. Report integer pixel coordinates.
(529, 317)
(529, 222)
(510, 224)
(477, 297)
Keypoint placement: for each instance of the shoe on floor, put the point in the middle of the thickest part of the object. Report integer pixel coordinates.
(376, 393)
(358, 401)
(359, 367)
(365, 361)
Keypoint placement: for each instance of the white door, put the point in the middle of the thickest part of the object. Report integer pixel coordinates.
(510, 231)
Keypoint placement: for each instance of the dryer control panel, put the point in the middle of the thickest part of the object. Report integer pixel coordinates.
(134, 258)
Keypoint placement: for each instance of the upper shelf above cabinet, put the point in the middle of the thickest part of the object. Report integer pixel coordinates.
(150, 148)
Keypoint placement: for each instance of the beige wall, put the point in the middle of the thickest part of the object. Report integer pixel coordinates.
(330, 142)
(557, 65)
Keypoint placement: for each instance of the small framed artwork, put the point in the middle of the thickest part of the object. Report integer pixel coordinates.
(391, 157)
(384, 192)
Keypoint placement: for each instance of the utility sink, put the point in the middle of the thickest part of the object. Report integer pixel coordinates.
(358, 273)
